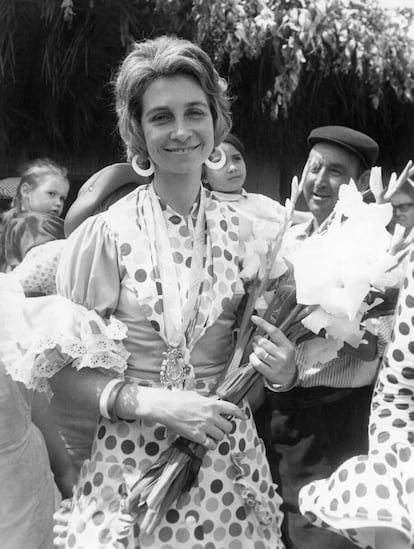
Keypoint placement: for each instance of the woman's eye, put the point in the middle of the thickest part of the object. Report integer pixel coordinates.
(162, 117)
(196, 113)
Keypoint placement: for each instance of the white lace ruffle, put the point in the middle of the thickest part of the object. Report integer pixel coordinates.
(86, 341)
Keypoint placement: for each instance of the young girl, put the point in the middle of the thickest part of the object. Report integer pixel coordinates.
(32, 454)
(34, 218)
(227, 184)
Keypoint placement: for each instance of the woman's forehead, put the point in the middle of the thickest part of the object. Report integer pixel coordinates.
(167, 91)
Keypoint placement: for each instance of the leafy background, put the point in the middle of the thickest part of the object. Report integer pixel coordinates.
(291, 64)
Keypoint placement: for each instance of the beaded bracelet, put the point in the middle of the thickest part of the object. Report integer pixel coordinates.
(276, 388)
(108, 398)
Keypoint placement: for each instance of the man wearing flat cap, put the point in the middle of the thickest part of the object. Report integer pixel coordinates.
(323, 420)
(337, 154)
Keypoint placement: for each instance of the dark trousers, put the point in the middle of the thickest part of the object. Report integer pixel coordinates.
(308, 433)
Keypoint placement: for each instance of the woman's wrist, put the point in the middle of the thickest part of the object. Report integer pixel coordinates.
(133, 402)
(118, 400)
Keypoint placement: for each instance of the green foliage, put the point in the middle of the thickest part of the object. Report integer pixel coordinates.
(303, 60)
(332, 37)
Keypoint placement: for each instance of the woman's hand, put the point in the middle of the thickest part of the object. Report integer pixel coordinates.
(274, 358)
(186, 413)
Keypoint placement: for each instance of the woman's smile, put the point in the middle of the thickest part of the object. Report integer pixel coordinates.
(182, 150)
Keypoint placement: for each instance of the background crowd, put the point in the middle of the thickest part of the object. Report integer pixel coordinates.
(140, 290)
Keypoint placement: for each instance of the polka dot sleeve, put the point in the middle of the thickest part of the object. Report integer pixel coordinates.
(393, 402)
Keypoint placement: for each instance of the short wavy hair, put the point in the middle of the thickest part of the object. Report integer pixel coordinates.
(163, 57)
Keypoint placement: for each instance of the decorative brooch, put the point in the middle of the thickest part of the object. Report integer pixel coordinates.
(174, 370)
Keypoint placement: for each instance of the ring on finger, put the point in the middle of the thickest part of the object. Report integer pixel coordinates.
(265, 357)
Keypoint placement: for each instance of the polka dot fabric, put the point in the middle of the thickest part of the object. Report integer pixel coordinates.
(214, 514)
(234, 504)
(37, 272)
(138, 254)
(377, 490)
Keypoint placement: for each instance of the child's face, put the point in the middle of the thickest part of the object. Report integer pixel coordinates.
(48, 196)
(231, 178)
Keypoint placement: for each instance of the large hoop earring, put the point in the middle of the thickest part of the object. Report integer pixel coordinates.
(142, 171)
(220, 163)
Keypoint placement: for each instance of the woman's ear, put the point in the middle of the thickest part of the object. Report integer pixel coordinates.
(25, 190)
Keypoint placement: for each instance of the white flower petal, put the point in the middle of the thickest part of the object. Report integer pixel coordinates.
(317, 320)
(320, 350)
(375, 183)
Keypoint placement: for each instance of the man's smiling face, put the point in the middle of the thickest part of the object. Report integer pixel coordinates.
(329, 167)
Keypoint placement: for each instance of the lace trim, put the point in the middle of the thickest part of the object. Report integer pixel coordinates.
(34, 362)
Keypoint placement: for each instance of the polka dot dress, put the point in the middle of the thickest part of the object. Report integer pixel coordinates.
(377, 490)
(233, 504)
(37, 273)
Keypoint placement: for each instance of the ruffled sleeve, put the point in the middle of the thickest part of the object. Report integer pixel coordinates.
(76, 327)
(47, 333)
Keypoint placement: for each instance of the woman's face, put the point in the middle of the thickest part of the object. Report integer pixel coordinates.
(231, 178)
(402, 210)
(177, 124)
(46, 197)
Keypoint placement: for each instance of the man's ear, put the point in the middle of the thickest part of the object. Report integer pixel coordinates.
(362, 182)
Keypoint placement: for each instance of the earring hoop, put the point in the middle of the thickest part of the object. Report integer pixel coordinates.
(220, 163)
(143, 172)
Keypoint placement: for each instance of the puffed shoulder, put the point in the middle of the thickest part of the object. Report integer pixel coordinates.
(88, 272)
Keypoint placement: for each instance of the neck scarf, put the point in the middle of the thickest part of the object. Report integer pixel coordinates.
(145, 250)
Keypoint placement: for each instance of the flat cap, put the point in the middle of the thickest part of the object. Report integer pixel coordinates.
(363, 146)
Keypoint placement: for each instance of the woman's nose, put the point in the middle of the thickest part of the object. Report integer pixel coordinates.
(181, 130)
